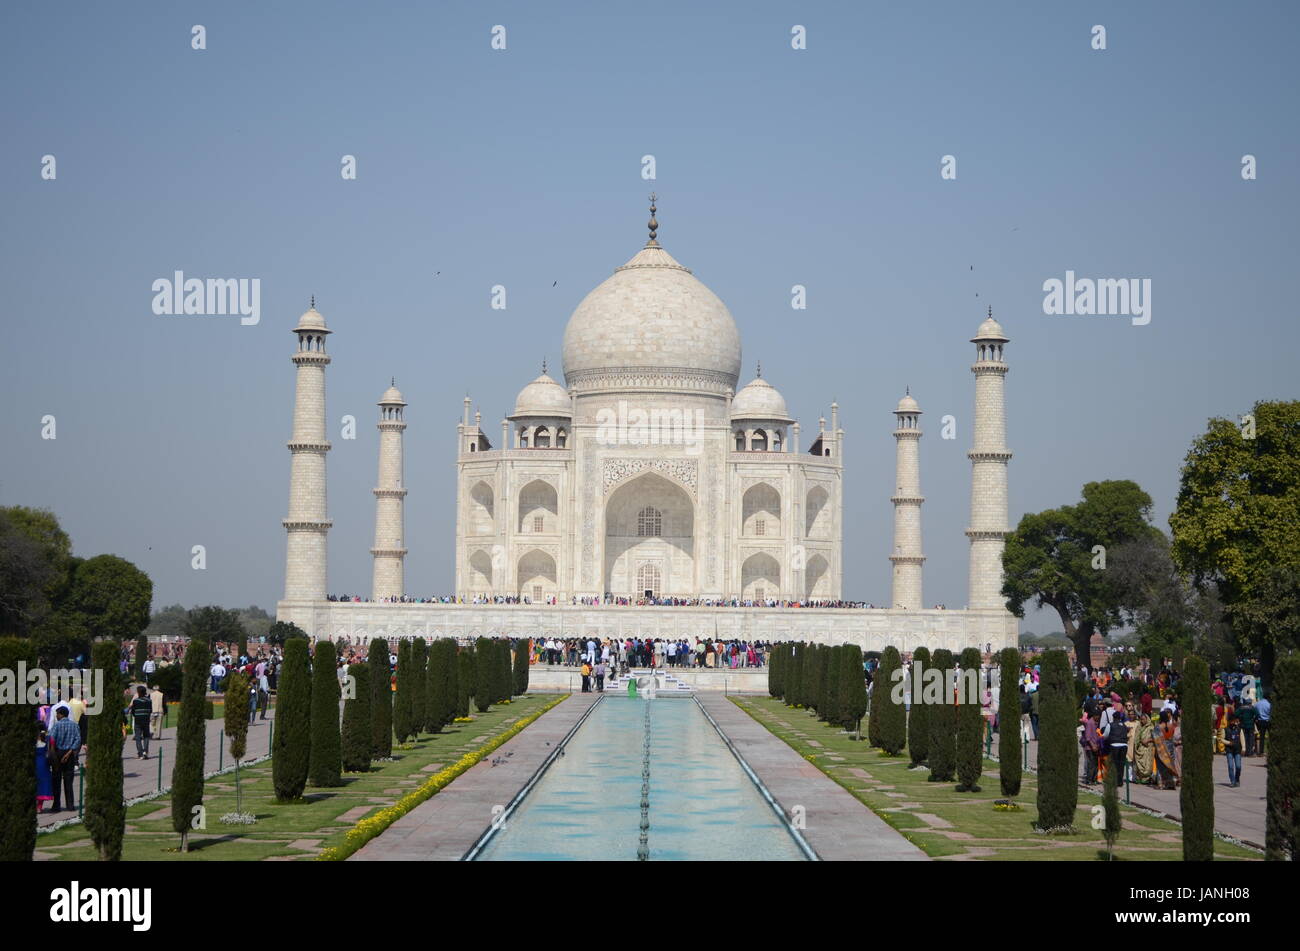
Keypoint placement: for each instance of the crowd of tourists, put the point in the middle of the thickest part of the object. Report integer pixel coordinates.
(621, 654)
(608, 600)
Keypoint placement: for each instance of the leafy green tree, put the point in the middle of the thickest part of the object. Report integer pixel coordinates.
(466, 670)
(168, 622)
(18, 732)
(291, 744)
(35, 565)
(105, 814)
(1234, 523)
(893, 715)
(1050, 558)
(1282, 823)
(191, 739)
(970, 727)
(357, 729)
(942, 720)
(283, 631)
(419, 685)
(213, 625)
(1009, 768)
(112, 596)
(1196, 793)
(523, 649)
(402, 707)
(918, 717)
(381, 700)
(325, 766)
(1110, 806)
(484, 675)
(238, 688)
(1058, 758)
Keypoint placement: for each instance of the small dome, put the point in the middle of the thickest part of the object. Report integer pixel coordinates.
(392, 395)
(759, 399)
(312, 320)
(543, 397)
(990, 330)
(908, 405)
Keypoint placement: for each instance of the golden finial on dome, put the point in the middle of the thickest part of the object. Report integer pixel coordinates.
(654, 225)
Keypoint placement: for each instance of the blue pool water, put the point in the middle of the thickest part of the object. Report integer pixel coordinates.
(587, 806)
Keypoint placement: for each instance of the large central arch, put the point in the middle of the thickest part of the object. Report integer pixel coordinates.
(650, 524)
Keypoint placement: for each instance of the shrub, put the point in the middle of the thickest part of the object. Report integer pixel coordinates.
(381, 700)
(1009, 767)
(105, 814)
(484, 675)
(325, 766)
(465, 671)
(918, 718)
(438, 705)
(191, 739)
(18, 732)
(523, 652)
(943, 723)
(419, 686)
(505, 671)
(1110, 804)
(970, 727)
(1196, 794)
(291, 745)
(1058, 758)
(357, 728)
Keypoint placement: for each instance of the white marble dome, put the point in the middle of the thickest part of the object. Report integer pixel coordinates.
(908, 405)
(311, 320)
(991, 330)
(759, 399)
(392, 396)
(543, 397)
(652, 315)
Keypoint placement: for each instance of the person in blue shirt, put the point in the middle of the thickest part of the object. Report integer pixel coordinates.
(1263, 717)
(64, 742)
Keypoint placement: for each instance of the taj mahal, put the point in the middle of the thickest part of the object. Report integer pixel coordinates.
(648, 494)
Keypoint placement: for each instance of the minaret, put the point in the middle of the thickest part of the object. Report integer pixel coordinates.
(907, 499)
(989, 455)
(389, 493)
(307, 524)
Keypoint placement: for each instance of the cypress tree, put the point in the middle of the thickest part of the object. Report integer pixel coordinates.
(505, 671)
(1009, 722)
(918, 718)
(237, 702)
(793, 685)
(893, 715)
(833, 712)
(1058, 757)
(970, 725)
(1282, 819)
(942, 718)
(105, 815)
(419, 686)
(465, 671)
(141, 655)
(775, 658)
(291, 746)
(484, 675)
(822, 699)
(523, 651)
(451, 682)
(356, 738)
(1196, 795)
(402, 706)
(325, 767)
(854, 691)
(381, 700)
(191, 738)
(18, 732)
(877, 709)
(438, 706)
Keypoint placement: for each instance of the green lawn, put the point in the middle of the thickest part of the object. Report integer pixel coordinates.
(948, 824)
(291, 831)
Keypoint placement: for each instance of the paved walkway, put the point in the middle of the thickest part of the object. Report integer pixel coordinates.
(445, 827)
(1238, 813)
(141, 776)
(839, 827)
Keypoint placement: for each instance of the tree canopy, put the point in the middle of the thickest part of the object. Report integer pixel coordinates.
(1049, 559)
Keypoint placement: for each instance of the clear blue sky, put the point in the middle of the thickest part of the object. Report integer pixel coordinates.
(522, 168)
